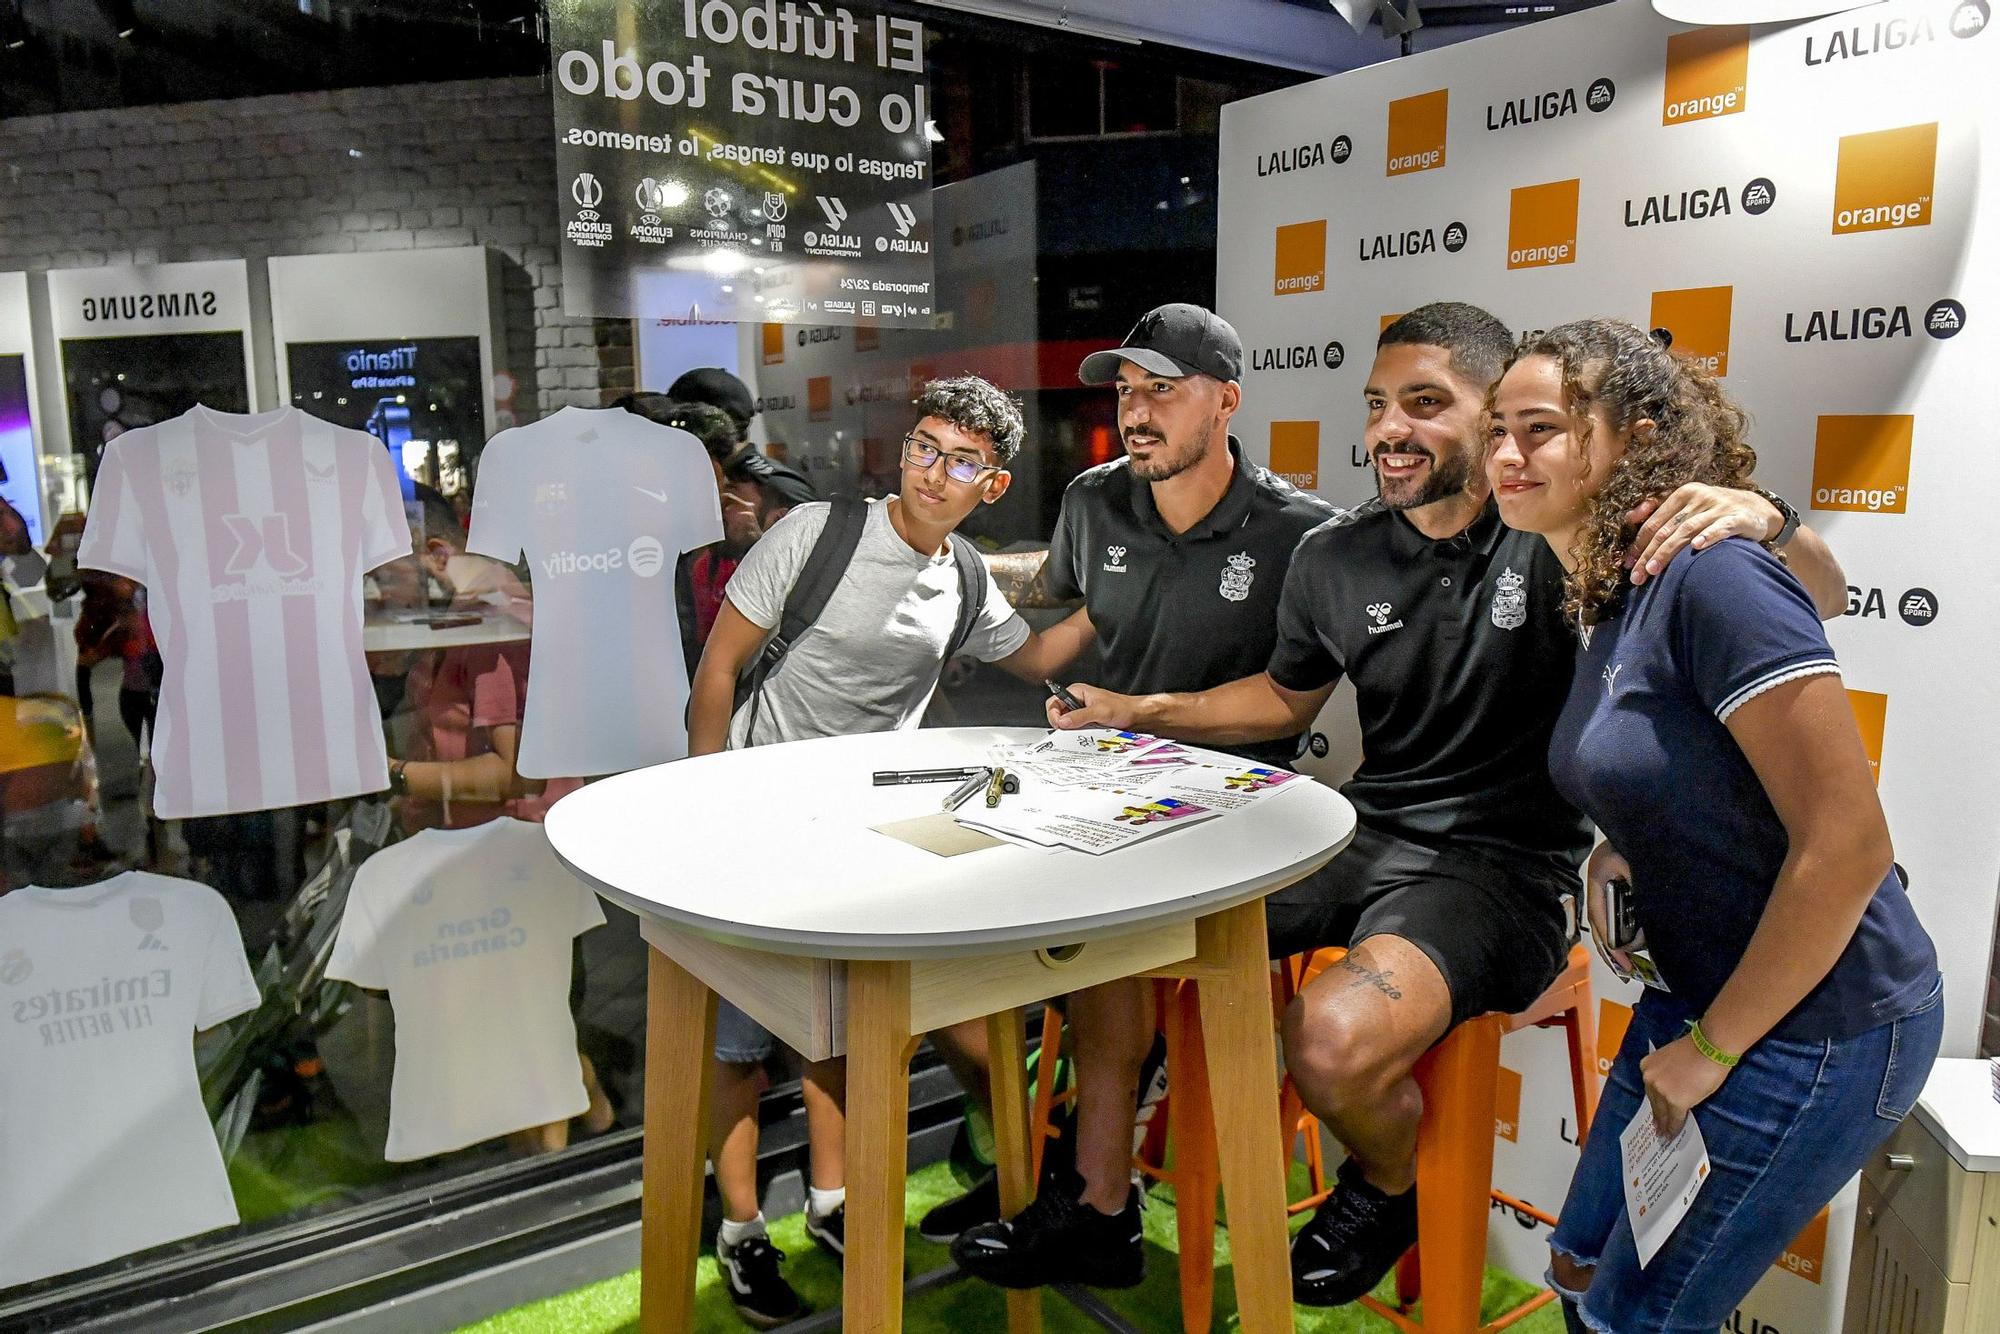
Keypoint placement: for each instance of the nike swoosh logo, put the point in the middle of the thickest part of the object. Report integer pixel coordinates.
(660, 496)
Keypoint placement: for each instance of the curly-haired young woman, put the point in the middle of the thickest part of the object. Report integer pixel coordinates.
(1708, 736)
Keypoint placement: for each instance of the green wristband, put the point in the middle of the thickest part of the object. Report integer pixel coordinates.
(1714, 1053)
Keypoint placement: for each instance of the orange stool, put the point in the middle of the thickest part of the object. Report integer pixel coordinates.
(1455, 1146)
(1188, 1123)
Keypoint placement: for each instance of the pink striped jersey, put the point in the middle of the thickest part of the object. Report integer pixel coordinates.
(251, 534)
(602, 502)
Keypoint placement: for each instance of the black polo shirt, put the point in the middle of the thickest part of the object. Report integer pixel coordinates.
(1182, 611)
(1461, 660)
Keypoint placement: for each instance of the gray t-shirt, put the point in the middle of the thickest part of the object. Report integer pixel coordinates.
(870, 662)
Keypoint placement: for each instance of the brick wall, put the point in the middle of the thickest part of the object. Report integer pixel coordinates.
(452, 164)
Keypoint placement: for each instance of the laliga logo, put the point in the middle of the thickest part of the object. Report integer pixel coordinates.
(835, 211)
(586, 190)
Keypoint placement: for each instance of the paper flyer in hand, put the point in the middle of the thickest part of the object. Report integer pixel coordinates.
(1661, 1178)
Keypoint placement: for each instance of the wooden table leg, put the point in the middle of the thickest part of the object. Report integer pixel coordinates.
(1243, 1076)
(878, 1121)
(1007, 1052)
(680, 1037)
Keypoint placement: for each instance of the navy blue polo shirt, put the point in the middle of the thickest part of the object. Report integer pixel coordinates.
(1644, 748)
(1460, 661)
(1181, 611)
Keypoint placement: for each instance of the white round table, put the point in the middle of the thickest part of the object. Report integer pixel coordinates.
(758, 874)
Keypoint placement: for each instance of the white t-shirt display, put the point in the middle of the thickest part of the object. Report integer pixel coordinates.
(105, 1146)
(251, 535)
(603, 503)
(870, 662)
(469, 932)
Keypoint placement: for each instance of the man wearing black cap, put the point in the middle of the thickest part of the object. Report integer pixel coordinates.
(770, 486)
(1178, 551)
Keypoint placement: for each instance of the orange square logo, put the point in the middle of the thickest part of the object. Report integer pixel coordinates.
(1295, 453)
(774, 345)
(1388, 320)
(1884, 180)
(1708, 74)
(1301, 258)
(1417, 132)
(1612, 1021)
(819, 398)
(1871, 715)
(1541, 225)
(1697, 320)
(1806, 1256)
(1507, 1105)
(1861, 464)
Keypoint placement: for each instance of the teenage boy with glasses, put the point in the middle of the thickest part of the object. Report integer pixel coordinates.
(869, 663)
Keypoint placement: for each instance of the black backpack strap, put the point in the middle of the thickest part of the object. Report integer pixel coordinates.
(820, 575)
(971, 592)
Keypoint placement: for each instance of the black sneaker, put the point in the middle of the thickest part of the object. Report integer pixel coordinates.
(1354, 1238)
(829, 1231)
(756, 1288)
(1152, 1089)
(979, 1205)
(1057, 1239)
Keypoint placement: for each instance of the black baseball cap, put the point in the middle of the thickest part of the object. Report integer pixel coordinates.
(1174, 340)
(718, 388)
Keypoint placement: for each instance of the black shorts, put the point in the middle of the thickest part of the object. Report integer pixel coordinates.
(1494, 925)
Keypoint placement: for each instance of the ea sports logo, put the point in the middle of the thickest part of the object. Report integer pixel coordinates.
(1333, 355)
(646, 556)
(1454, 237)
(1917, 606)
(1341, 149)
(1944, 319)
(1601, 95)
(1759, 195)
(1970, 18)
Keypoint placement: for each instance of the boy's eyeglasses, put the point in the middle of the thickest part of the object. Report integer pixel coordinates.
(921, 453)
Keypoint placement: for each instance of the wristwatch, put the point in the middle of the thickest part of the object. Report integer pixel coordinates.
(399, 782)
(1785, 511)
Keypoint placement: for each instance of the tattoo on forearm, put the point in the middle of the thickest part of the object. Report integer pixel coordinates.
(1361, 975)
(1020, 577)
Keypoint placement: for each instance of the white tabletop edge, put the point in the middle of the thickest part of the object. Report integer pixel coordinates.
(835, 945)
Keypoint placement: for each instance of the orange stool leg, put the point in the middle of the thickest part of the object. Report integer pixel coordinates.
(1455, 1171)
(1196, 1173)
(1582, 1031)
(1039, 1131)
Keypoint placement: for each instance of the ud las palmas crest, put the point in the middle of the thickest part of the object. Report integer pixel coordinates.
(1510, 601)
(1236, 579)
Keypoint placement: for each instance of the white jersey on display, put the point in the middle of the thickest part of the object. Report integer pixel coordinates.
(251, 535)
(603, 503)
(105, 1146)
(469, 932)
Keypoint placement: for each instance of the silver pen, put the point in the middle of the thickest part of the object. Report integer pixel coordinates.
(976, 783)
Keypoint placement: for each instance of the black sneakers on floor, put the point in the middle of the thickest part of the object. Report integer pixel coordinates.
(829, 1230)
(758, 1291)
(979, 1205)
(1057, 1239)
(1354, 1238)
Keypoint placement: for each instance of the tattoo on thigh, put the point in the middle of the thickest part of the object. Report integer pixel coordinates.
(1361, 975)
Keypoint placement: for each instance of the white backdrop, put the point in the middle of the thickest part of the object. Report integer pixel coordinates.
(1808, 206)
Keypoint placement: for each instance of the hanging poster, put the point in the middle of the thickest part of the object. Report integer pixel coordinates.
(704, 144)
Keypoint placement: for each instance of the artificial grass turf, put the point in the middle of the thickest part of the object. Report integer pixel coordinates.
(612, 1306)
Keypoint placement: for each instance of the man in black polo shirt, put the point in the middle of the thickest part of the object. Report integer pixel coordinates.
(1179, 552)
(1449, 897)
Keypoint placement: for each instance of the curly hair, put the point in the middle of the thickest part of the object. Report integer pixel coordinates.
(977, 407)
(1696, 435)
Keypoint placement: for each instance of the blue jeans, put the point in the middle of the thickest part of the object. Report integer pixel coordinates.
(1785, 1132)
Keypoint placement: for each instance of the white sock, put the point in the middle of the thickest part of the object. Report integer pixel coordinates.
(824, 1202)
(733, 1233)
